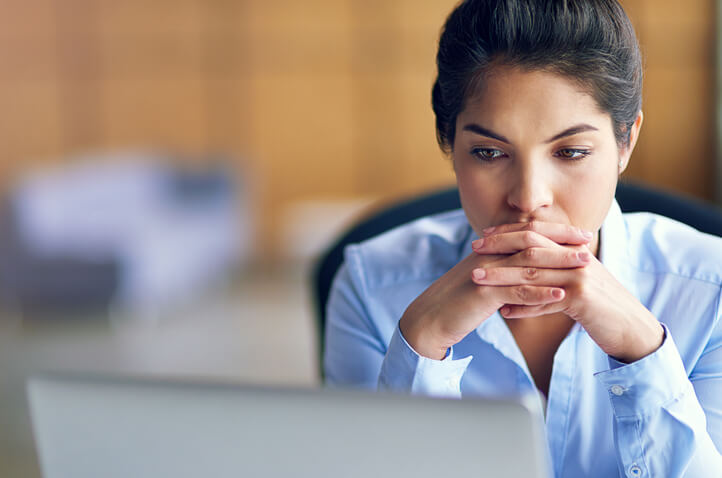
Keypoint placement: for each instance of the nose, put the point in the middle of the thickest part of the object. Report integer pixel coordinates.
(530, 188)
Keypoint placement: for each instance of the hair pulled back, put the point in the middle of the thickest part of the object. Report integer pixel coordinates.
(591, 42)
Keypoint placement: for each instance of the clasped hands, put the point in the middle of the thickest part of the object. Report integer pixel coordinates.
(525, 270)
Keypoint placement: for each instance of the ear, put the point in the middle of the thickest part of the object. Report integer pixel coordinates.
(626, 153)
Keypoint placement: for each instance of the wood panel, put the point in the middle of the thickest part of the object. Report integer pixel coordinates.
(27, 18)
(30, 125)
(321, 98)
(677, 146)
(145, 112)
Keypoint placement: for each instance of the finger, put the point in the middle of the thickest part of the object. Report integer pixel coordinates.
(557, 258)
(508, 276)
(511, 242)
(511, 311)
(523, 294)
(559, 233)
(501, 276)
(486, 259)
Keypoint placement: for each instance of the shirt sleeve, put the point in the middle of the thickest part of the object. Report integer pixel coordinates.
(356, 356)
(353, 350)
(405, 370)
(663, 426)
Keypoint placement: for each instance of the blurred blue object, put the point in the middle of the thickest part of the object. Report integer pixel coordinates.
(131, 230)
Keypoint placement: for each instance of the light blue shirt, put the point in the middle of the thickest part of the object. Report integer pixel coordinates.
(660, 416)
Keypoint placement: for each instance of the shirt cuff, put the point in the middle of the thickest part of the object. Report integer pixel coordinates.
(643, 386)
(404, 369)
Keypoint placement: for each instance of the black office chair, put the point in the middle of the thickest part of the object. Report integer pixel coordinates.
(630, 196)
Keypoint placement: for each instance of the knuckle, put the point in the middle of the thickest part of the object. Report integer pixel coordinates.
(530, 253)
(531, 273)
(581, 286)
(581, 291)
(523, 293)
(490, 241)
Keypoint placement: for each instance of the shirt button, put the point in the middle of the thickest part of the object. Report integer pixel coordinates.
(618, 390)
(635, 471)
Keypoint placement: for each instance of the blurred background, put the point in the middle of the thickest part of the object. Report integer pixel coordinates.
(169, 170)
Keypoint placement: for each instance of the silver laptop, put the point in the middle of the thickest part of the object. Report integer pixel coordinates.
(90, 427)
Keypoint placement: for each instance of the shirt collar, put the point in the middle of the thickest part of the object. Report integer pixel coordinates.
(614, 248)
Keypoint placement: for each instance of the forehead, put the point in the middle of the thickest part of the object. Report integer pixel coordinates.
(509, 96)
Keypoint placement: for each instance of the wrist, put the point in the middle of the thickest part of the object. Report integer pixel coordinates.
(646, 341)
(420, 340)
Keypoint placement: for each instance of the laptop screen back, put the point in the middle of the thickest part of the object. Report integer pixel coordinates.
(89, 427)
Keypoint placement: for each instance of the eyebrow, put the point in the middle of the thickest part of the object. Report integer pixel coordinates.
(580, 128)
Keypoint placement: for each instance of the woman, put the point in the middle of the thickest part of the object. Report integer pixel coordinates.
(541, 283)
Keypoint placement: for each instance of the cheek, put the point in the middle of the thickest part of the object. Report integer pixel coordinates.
(480, 196)
(587, 196)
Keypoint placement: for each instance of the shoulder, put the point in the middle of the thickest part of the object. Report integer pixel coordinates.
(426, 247)
(666, 246)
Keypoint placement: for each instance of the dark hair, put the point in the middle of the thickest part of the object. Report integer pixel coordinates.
(589, 41)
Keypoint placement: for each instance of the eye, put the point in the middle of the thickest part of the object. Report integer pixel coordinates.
(487, 154)
(573, 153)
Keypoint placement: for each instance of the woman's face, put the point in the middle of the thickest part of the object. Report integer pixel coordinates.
(533, 146)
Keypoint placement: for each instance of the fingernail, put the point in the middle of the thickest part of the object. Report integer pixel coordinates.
(557, 293)
(587, 234)
(488, 230)
(583, 256)
(505, 310)
(478, 274)
(477, 244)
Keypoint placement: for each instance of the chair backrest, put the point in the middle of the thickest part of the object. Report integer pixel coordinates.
(630, 196)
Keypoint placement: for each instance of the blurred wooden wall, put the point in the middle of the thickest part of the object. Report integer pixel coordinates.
(677, 146)
(320, 98)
